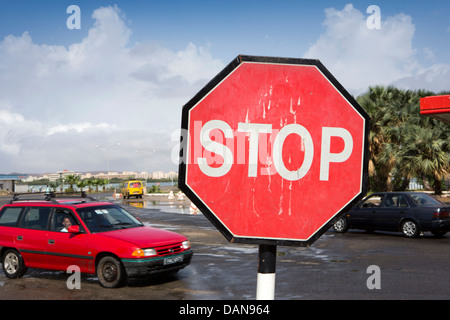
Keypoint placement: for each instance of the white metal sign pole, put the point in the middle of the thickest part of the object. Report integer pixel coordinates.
(265, 286)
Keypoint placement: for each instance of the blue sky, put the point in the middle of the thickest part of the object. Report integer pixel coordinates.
(284, 28)
(124, 76)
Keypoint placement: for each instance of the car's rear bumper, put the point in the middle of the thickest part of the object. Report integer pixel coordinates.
(143, 267)
(440, 225)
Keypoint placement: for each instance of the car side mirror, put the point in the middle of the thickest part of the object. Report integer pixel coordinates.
(74, 229)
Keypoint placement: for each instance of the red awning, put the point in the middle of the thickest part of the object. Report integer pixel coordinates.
(437, 107)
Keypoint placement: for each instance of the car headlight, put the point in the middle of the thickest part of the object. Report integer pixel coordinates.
(150, 252)
(140, 253)
(186, 244)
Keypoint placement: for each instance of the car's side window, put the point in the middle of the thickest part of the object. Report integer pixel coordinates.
(62, 219)
(395, 201)
(9, 216)
(402, 202)
(36, 218)
(391, 201)
(373, 201)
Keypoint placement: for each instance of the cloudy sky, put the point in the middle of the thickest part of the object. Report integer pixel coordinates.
(111, 92)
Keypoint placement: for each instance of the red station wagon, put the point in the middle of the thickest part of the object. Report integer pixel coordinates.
(100, 238)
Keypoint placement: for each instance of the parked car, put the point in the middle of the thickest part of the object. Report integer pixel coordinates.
(132, 188)
(100, 238)
(408, 212)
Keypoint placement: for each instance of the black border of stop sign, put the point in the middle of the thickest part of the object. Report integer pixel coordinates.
(183, 146)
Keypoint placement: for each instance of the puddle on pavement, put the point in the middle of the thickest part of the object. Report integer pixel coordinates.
(179, 207)
(163, 204)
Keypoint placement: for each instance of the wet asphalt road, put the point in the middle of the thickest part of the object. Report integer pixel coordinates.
(335, 267)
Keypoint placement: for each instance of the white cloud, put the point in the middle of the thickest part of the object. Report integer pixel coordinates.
(57, 103)
(8, 118)
(435, 78)
(429, 54)
(78, 127)
(360, 57)
(13, 128)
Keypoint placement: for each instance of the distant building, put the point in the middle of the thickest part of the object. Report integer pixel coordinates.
(31, 178)
(86, 175)
(415, 185)
(158, 175)
(171, 175)
(143, 175)
(61, 175)
(7, 182)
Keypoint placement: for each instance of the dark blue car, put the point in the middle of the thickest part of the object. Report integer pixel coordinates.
(408, 212)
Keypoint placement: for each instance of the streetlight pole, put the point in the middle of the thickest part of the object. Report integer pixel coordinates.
(107, 148)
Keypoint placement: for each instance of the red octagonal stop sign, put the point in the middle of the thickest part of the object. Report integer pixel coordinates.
(273, 150)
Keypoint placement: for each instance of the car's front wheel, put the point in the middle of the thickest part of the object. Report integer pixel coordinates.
(341, 226)
(110, 272)
(13, 265)
(410, 229)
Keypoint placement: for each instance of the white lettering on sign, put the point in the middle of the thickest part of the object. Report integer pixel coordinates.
(326, 156)
(217, 148)
(278, 152)
(220, 148)
(254, 129)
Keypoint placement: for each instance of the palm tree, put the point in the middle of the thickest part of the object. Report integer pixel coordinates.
(427, 154)
(81, 184)
(53, 186)
(382, 105)
(95, 182)
(102, 183)
(71, 180)
(403, 144)
(88, 183)
(405, 115)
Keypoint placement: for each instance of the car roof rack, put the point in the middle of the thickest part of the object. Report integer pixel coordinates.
(52, 196)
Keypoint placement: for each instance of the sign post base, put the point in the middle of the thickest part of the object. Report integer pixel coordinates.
(265, 286)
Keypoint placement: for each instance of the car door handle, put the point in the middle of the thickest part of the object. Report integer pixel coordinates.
(50, 241)
(20, 238)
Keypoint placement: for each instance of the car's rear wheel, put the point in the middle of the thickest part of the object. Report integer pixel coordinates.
(410, 229)
(110, 272)
(341, 226)
(13, 265)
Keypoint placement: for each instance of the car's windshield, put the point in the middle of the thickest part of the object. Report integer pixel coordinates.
(424, 200)
(107, 218)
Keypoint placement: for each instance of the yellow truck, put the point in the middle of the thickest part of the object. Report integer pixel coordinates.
(132, 188)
